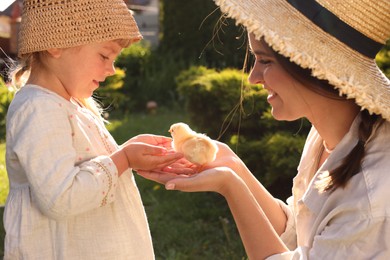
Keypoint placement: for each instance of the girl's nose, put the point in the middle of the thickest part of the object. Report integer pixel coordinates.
(110, 70)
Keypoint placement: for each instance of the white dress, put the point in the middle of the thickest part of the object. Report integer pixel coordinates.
(66, 200)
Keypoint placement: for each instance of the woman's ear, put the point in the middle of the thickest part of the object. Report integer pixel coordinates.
(55, 52)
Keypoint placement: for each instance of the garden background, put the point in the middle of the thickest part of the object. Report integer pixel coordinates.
(197, 74)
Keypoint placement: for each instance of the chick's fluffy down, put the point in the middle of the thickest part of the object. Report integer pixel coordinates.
(196, 148)
(199, 150)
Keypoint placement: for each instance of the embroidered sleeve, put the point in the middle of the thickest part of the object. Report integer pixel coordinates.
(107, 174)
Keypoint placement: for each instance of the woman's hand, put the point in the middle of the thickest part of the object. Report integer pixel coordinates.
(219, 179)
(226, 158)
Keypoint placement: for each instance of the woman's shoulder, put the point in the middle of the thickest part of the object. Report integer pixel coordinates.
(379, 142)
(375, 169)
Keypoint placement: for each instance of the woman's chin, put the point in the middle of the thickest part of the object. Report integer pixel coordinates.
(279, 116)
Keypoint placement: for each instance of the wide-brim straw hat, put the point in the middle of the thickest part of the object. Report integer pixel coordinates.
(337, 39)
(68, 23)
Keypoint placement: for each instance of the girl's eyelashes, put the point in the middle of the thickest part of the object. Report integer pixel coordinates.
(104, 57)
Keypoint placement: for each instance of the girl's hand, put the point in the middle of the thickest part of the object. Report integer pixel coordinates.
(225, 158)
(180, 167)
(156, 140)
(143, 156)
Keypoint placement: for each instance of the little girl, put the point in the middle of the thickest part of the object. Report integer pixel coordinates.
(72, 193)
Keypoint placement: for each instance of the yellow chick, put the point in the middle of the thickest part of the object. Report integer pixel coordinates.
(196, 148)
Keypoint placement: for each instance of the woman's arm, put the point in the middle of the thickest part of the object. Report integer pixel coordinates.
(270, 206)
(259, 237)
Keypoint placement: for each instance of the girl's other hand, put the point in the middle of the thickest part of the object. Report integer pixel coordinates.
(156, 140)
(143, 156)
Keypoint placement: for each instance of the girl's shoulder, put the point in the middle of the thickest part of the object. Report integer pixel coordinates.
(35, 105)
(31, 98)
(35, 92)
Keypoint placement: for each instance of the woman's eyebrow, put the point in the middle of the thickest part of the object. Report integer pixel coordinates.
(260, 53)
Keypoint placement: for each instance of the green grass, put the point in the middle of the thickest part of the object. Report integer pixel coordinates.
(3, 193)
(3, 176)
(184, 226)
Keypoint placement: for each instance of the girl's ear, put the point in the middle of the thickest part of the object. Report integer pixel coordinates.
(55, 52)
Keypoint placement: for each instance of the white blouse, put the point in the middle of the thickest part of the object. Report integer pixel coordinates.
(349, 223)
(66, 200)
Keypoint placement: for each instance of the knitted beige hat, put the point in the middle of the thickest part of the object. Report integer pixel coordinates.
(68, 23)
(337, 39)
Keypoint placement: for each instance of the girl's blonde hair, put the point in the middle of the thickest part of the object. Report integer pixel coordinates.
(21, 71)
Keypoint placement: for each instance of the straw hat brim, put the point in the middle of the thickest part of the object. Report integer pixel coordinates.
(73, 23)
(293, 35)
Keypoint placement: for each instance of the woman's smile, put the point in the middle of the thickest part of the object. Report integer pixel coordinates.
(271, 95)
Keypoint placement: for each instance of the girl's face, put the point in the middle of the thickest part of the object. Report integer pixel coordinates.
(83, 68)
(289, 99)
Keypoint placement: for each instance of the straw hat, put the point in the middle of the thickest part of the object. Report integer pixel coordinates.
(338, 40)
(68, 23)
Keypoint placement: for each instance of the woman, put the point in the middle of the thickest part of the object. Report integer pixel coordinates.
(316, 60)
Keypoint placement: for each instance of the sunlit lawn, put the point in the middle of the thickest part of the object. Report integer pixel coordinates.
(183, 225)
(3, 176)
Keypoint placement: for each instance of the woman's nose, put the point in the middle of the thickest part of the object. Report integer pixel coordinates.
(256, 75)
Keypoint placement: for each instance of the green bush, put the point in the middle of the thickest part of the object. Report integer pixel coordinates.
(383, 59)
(158, 80)
(4, 184)
(281, 151)
(205, 38)
(6, 96)
(217, 104)
(110, 94)
(133, 61)
(149, 76)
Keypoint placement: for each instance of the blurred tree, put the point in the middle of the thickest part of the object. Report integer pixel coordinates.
(194, 30)
(383, 59)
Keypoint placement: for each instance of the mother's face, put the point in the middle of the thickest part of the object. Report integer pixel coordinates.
(289, 99)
